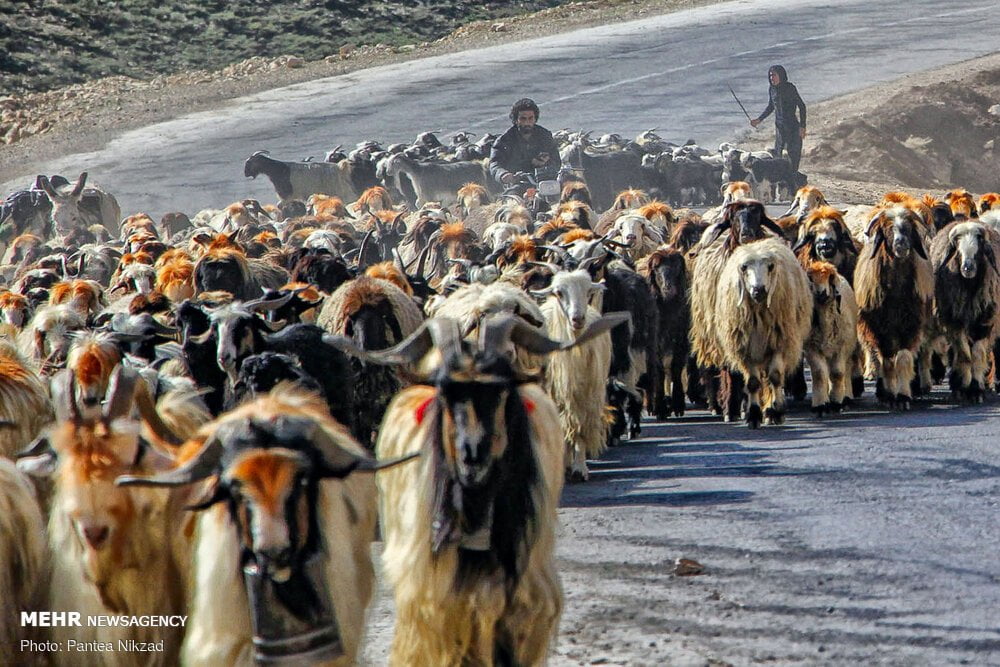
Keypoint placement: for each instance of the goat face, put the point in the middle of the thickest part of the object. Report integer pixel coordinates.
(236, 332)
(474, 417)
(757, 274)
(573, 289)
(667, 274)
(822, 280)
(272, 500)
(630, 228)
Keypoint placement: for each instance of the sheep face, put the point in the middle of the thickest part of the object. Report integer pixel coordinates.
(897, 228)
(967, 241)
(822, 277)
(667, 274)
(630, 228)
(756, 277)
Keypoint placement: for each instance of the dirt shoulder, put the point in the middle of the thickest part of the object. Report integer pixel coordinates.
(44, 126)
(929, 132)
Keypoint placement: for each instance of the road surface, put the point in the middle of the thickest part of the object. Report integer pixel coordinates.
(669, 72)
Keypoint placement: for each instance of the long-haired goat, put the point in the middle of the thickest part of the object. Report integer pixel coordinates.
(762, 311)
(666, 271)
(283, 496)
(966, 300)
(470, 529)
(24, 401)
(824, 237)
(576, 378)
(115, 550)
(894, 285)
(23, 568)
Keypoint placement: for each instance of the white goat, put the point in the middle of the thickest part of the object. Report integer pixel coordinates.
(577, 378)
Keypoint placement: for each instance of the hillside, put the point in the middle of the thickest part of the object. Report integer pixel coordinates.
(45, 45)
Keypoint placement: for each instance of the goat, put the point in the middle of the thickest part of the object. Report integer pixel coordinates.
(115, 551)
(422, 182)
(833, 338)
(375, 314)
(470, 529)
(966, 297)
(284, 499)
(772, 175)
(23, 563)
(824, 237)
(894, 285)
(962, 204)
(576, 378)
(762, 310)
(666, 271)
(46, 337)
(230, 270)
(636, 234)
(988, 202)
(299, 180)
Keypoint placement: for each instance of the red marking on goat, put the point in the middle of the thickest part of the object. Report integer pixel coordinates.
(529, 405)
(421, 409)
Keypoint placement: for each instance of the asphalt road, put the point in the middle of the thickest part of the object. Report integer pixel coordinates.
(668, 72)
(867, 538)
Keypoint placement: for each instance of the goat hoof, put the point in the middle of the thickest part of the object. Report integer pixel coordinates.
(903, 402)
(974, 393)
(575, 475)
(880, 393)
(754, 416)
(775, 417)
(820, 410)
(836, 407)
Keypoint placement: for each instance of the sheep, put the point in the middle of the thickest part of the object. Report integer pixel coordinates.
(299, 180)
(472, 196)
(894, 285)
(470, 529)
(763, 310)
(285, 498)
(46, 337)
(823, 236)
(745, 222)
(15, 310)
(23, 567)
(114, 550)
(375, 314)
(966, 297)
(576, 378)
(75, 208)
(988, 202)
(830, 347)
(962, 204)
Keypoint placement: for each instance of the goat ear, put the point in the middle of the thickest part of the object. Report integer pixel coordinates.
(803, 241)
(918, 243)
(717, 232)
(871, 223)
(991, 255)
(877, 241)
(772, 225)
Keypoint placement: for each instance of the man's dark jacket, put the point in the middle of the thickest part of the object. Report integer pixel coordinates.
(513, 153)
(783, 100)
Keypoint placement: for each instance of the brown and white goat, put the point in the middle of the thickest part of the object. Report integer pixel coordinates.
(824, 237)
(283, 495)
(115, 550)
(830, 347)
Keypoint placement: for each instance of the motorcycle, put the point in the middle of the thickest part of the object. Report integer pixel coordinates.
(540, 189)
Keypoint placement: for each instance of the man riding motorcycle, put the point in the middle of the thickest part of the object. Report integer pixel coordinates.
(524, 148)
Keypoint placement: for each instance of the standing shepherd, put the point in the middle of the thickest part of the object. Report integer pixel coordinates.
(783, 99)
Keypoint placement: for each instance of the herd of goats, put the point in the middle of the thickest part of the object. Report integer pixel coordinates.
(196, 406)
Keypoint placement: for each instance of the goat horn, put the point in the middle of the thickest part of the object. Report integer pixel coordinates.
(265, 303)
(795, 202)
(336, 460)
(121, 389)
(147, 410)
(364, 243)
(64, 397)
(204, 464)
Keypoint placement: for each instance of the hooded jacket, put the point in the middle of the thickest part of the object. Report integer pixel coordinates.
(783, 99)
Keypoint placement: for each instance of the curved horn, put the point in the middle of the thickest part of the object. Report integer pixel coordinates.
(335, 460)
(273, 303)
(204, 464)
(121, 389)
(554, 268)
(795, 202)
(364, 244)
(500, 328)
(63, 387)
(871, 223)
